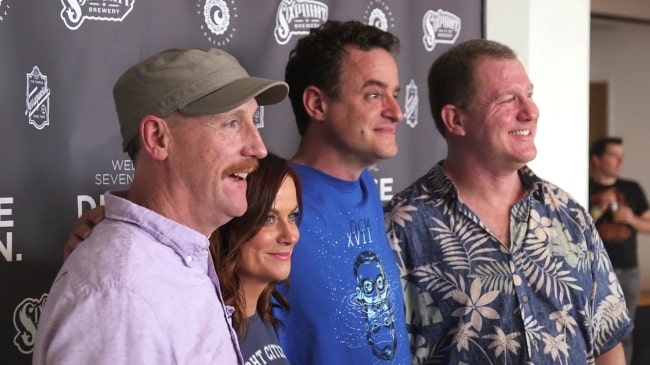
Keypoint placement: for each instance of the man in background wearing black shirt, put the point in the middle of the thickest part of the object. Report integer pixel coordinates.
(620, 209)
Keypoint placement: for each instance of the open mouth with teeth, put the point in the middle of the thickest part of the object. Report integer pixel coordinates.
(520, 132)
(239, 175)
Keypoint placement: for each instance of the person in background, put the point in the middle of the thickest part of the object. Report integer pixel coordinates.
(499, 265)
(620, 209)
(345, 295)
(253, 252)
(142, 289)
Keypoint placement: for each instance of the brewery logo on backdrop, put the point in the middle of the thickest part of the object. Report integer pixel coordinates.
(76, 11)
(6, 232)
(37, 99)
(4, 7)
(439, 27)
(296, 17)
(26, 317)
(118, 177)
(218, 20)
(378, 13)
(258, 118)
(411, 103)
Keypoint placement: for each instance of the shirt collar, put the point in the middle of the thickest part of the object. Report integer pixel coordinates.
(185, 241)
(445, 187)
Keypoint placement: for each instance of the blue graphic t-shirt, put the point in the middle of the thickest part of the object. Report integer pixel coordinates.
(345, 295)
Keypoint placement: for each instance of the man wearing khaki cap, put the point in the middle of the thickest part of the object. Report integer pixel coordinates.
(142, 289)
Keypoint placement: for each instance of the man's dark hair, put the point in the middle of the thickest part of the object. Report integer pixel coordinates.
(600, 145)
(316, 60)
(452, 78)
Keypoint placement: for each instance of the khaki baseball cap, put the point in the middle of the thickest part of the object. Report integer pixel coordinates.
(194, 81)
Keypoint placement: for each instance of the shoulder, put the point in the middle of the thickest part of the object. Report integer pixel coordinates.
(557, 202)
(115, 256)
(432, 185)
(628, 184)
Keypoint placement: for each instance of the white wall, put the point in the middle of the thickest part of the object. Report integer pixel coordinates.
(620, 55)
(552, 40)
(562, 52)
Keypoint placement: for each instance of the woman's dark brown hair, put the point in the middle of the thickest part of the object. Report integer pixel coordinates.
(225, 243)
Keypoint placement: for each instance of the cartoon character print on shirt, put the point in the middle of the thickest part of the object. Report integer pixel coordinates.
(370, 309)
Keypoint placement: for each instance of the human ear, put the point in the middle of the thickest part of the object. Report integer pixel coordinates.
(155, 137)
(314, 102)
(453, 119)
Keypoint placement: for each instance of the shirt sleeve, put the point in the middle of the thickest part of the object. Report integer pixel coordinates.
(108, 327)
(420, 323)
(611, 321)
(642, 201)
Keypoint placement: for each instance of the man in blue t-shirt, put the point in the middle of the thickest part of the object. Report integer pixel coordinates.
(345, 294)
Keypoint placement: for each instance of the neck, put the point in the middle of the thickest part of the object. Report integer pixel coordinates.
(602, 179)
(159, 192)
(328, 159)
(252, 291)
(475, 182)
(488, 193)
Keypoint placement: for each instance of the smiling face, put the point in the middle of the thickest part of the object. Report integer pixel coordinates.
(363, 117)
(502, 120)
(266, 257)
(210, 158)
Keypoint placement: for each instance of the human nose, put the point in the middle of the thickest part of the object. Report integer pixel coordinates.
(289, 233)
(392, 109)
(529, 110)
(254, 145)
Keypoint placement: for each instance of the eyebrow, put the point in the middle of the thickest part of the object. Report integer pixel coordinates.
(381, 84)
(277, 211)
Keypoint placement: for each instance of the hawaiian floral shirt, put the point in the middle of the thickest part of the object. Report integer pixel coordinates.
(551, 298)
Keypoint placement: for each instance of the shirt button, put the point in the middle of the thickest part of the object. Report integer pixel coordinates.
(534, 342)
(189, 259)
(525, 298)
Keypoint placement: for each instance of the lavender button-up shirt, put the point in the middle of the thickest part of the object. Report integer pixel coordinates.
(141, 289)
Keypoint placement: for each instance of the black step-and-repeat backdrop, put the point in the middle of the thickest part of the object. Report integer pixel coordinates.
(59, 139)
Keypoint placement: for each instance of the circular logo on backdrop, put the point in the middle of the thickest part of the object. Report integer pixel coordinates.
(378, 14)
(218, 17)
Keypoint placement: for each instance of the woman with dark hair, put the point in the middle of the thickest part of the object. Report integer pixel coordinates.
(252, 253)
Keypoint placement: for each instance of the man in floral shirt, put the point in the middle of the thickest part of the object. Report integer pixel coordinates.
(499, 266)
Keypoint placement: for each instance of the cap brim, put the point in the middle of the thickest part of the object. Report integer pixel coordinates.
(231, 96)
